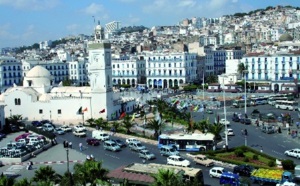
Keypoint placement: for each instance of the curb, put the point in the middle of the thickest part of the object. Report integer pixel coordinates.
(46, 162)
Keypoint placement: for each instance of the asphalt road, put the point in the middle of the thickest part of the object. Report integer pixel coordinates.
(273, 144)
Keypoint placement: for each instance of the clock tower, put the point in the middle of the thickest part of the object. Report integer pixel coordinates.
(100, 74)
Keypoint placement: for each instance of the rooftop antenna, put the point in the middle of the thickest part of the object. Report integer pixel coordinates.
(94, 19)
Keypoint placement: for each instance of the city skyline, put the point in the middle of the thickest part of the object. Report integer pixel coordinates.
(30, 21)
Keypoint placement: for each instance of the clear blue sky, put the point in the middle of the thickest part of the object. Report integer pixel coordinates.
(25, 22)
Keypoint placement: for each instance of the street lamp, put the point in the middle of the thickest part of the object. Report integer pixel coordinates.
(245, 71)
(226, 130)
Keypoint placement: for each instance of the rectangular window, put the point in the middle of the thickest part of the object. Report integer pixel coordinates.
(41, 111)
(59, 111)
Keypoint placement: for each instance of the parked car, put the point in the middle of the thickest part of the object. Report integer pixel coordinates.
(146, 155)
(59, 131)
(22, 136)
(48, 127)
(79, 128)
(2, 135)
(66, 128)
(45, 121)
(136, 146)
(293, 153)
(92, 141)
(36, 123)
(243, 170)
(79, 133)
(168, 151)
(216, 172)
(100, 135)
(119, 142)
(203, 160)
(131, 140)
(178, 161)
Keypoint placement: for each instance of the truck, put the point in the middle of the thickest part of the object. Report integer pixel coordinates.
(228, 178)
(267, 176)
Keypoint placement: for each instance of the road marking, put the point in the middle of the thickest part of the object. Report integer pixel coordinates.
(112, 156)
(282, 146)
(279, 153)
(261, 137)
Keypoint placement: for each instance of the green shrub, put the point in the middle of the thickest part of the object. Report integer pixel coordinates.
(255, 157)
(271, 163)
(239, 152)
(246, 159)
(288, 164)
(244, 148)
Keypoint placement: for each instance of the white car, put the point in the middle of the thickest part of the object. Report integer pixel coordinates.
(66, 128)
(178, 161)
(129, 140)
(216, 172)
(79, 128)
(293, 152)
(48, 127)
(224, 122)
(79, 133)
(229, 132)
(59, 131)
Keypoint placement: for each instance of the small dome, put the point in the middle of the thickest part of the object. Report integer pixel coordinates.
(98, 27)
(38, 72)
(285, 37)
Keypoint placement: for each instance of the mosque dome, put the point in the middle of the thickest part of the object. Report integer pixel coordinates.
(285, 37)
(38, 72)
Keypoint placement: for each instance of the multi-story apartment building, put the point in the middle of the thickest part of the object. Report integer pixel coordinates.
(78, 71)
(59, 70)
(10, 72)
(279, 71)
(165, 70)
(128, 70)
(209, 62)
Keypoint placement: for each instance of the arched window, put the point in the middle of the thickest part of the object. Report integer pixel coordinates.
(19, 101)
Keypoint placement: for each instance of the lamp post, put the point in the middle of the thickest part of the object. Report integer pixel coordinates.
(245, 71)
(50, 116)
(10, 112)
(226, 130)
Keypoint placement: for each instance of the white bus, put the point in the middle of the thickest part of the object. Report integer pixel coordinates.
(286, 105)
(273, 98)
(188, 142)
(239, 103)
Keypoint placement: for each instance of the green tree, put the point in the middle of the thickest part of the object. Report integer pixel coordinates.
(23, 182)
(116, 125)
(46, 174)
(216, 129)
(202, 126)
(15, 119)
(241, 68)
(212, 79)
(100, 122)
(156, 126)
(90, 172)
(6, 181)
(127, 123)
(166, 177)
(91, 121)
(67, 179)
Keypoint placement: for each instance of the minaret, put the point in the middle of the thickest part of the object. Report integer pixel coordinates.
(100, 73)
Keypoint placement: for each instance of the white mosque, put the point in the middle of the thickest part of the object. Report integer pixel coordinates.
(38, 99)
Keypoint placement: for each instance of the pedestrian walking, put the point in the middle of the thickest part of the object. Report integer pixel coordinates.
(80, 146)
(70, 144)
(245, 132)
(261, 149)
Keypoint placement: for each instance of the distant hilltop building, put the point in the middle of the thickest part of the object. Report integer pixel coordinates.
(45, 44)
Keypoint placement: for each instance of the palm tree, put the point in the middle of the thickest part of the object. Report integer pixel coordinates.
(67, 179)
(101, 123)
(127, 123)
(90, 172)
(46, 174)
(202, 126)
(166, 177)
(91, 121)
(156, 126)
(215, 129)
(6, 181)
(23, 182)
(116, 125)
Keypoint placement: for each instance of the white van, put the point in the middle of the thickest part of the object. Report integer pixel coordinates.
(100, 135)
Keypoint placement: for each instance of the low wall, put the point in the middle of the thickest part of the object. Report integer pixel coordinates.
(6, 160)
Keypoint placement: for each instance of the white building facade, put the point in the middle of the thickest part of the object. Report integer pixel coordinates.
(10, 72)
